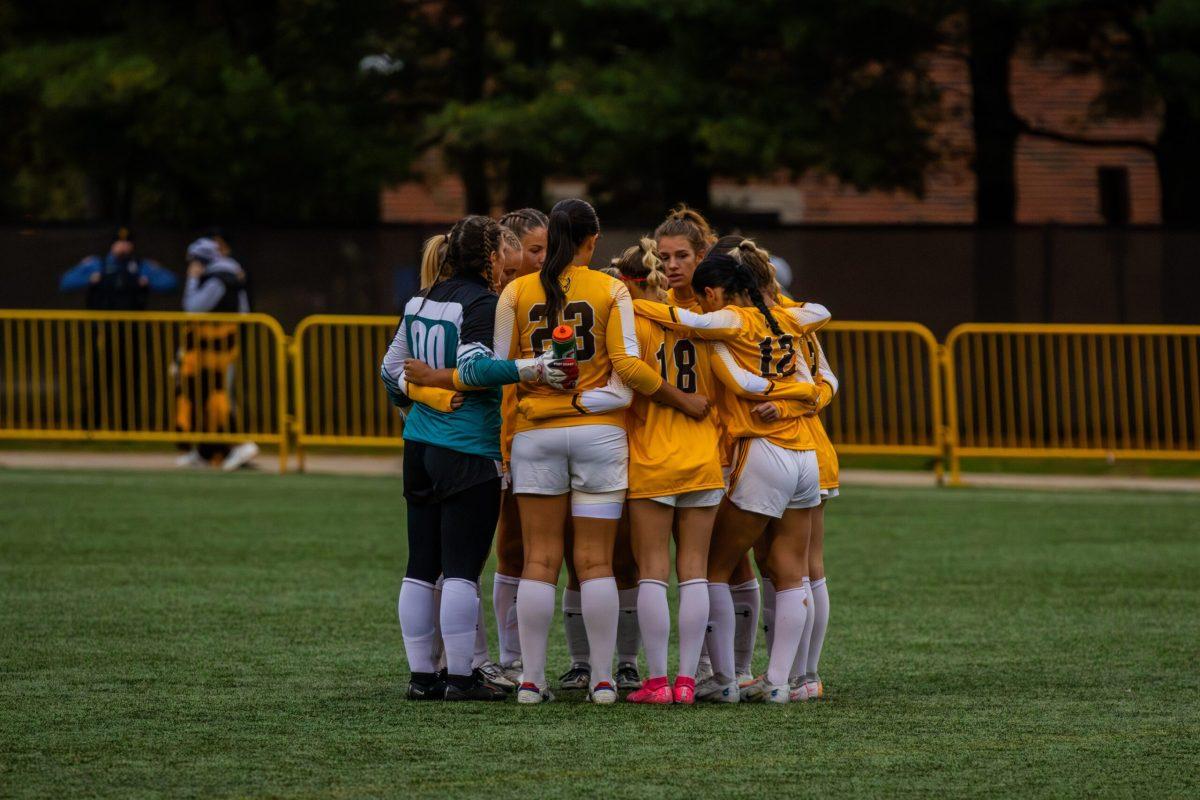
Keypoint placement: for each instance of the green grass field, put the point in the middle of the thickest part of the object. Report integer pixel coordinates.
(195, 635)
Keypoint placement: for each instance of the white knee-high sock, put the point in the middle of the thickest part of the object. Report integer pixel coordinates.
(573, 627)
(415, 609)
(654, 619)
(504, 600)
(746, 601)
(801, 660)
(693, 621)
(629, 638)
(821, 621)
(791, 607)
(601, 607)
(768, 611)
(460, 619)
(720, 631)
(439, 650)
(535, 614)
(482, 651)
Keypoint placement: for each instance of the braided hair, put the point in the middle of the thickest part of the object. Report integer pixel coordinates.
(758, 261)
(470, 246)
(641, 264)
(724, 271)
(524, 220)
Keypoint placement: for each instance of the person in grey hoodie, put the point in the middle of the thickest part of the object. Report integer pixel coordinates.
(215, 284)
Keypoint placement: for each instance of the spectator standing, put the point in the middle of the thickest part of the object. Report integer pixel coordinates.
(119, 280)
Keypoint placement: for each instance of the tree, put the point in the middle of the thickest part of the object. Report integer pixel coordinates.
(649, 100)
(195, 111)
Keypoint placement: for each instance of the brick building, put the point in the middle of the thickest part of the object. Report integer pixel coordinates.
(1056, 182)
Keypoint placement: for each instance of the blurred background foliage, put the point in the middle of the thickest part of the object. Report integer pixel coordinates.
(298, 111)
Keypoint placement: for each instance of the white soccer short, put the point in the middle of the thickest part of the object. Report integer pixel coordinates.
(828, 494)
(773, 479)
(701, 498)
(587, 458)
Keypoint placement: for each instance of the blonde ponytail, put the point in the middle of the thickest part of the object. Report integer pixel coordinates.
(433, 260)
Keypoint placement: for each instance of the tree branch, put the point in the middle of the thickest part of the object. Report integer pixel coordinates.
(1026, 127)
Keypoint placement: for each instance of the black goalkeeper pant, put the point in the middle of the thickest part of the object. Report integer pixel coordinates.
(453, 505)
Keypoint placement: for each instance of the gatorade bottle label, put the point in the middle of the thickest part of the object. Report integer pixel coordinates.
(563, 341)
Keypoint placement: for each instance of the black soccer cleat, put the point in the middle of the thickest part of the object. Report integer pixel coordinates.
(579, 676)
(627, 677)
(473, 687)
(426, 686)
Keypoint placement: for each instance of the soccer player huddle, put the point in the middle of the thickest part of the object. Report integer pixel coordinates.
(597, 416)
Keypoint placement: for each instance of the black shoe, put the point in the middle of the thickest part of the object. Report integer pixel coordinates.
(426, 686)
(579, 676)
(472, 687)
(627, 677)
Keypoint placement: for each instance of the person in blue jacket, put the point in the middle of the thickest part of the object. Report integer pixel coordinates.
(119, 280)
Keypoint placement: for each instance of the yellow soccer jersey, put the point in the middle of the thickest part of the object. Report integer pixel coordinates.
(694, 305)
(827, 386)
(600, 310)
(669, 452)
(746, 342)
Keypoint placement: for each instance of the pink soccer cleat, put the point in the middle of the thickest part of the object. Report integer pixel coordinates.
(654, 691)
(685, 690)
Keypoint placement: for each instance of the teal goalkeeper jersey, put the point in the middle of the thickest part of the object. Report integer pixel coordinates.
(450, 326)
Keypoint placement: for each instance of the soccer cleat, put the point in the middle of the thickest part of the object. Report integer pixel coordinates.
(655, 691)
(776, 694)
(477, 689)
(816, 689)
(426, 686)
(627, 676)
(531, 694)
(602, 694)
(190, 459)
(750, 688)
(714, 690)
(685, 690)
(494, 675)
(239, 456)
(512, 671)
(579, 676)
(799, 691)
(704, 671)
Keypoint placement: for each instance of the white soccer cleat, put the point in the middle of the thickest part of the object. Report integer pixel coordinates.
(532, 694)
(704, 671)
(512, 671)
(603, 694)
(714, 690)
(799, 692)
(190, 460)
(816, 689)
(776, 694)
(750, 688)
(239, 456)
(494, 675)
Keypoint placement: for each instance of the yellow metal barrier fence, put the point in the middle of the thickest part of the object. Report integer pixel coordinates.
(1076, 391)
(1129, 391)
(339, 397)
(889, 399)
(143, 376)
(890, 396)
